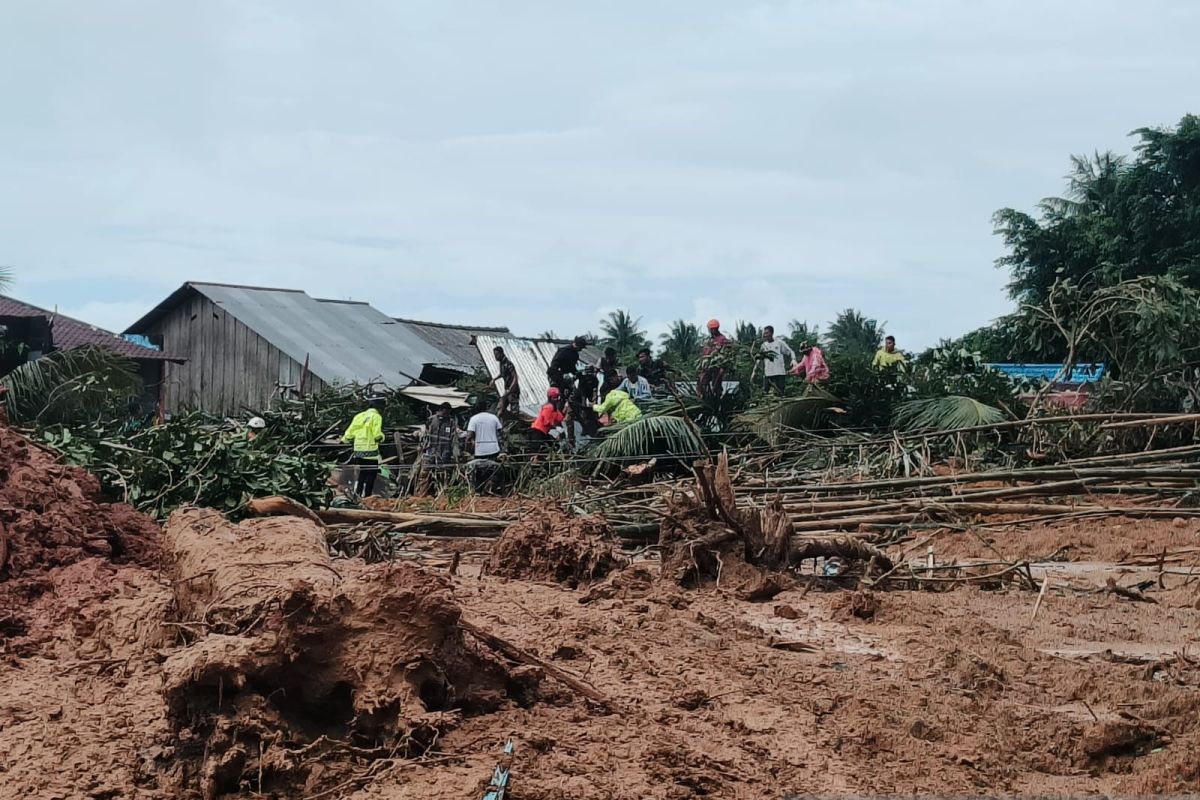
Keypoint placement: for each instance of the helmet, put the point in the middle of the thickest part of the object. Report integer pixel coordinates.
(256, 423)
(552, 393)
(714, 324)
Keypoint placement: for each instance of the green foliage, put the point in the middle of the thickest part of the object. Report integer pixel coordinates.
(681, 344)
(620, 330)
(88, 383)
(548, 335)
(946, 371)
(6, 278)
(775, 418)
(944, 413)
(865, 393)
(649, 437)
(297, 422)
(745, 332)
(188, 459)
(852, 333)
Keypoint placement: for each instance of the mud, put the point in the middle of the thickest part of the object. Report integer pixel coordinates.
(49, 519)
(552, 545)
(250, 650)
(288, 655)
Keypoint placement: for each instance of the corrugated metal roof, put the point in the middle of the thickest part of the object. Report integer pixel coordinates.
(454, 340)
(68, 333)
(436, 395)
(343, 341)
(531, 358)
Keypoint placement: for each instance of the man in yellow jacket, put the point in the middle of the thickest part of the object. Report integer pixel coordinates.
(619, 406)
(366, 432)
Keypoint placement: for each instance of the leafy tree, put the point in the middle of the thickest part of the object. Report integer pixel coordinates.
(681, 344)
(854, 333)
(548, 335)
(1120, 219)
(620, 330)
(745, 332)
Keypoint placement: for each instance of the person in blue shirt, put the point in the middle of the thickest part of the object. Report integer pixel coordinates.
(634, 385)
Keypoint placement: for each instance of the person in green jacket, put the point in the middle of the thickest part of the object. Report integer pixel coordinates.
(366, 432)
(619, 407)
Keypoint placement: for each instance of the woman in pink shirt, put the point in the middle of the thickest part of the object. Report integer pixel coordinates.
(812, 365)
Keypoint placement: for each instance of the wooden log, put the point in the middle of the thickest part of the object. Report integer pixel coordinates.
(441, 522)
(281, 506)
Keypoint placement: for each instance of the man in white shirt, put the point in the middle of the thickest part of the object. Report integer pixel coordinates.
(483, 434)
(776, 353)
(637, 387)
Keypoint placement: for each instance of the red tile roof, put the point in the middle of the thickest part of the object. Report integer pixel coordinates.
(67, 333)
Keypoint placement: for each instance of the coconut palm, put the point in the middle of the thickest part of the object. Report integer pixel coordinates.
(854, 333)
(620, 331)
(801, 334)
(681, 343)
(745, 332)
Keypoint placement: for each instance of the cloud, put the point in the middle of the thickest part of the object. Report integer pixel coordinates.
(527, 164)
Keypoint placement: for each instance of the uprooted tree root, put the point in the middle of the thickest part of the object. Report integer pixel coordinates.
(289, 657)
(553, 545)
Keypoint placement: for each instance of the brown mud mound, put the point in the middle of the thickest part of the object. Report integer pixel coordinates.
(552, 545)
(290, 659)
(49, 518)
(856, 605)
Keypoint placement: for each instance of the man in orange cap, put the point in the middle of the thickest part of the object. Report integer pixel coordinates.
(712, 378)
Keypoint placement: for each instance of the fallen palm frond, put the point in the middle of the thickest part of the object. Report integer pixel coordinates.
(773, 420)
(661, 436)
(944, 414)
(88, 383)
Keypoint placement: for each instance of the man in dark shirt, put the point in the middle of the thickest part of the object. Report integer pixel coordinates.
(610, 371)
(565, 365)
(510, 397)
(652, 369)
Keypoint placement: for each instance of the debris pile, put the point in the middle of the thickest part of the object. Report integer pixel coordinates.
(291, 657)
(49, 519)
(552, 545)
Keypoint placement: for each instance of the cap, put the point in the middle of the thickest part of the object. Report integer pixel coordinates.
(552, 392)
(714, 324)
(256, 423)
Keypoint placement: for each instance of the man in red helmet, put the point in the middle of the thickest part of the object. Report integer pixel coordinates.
(549, 417)
(712, 377)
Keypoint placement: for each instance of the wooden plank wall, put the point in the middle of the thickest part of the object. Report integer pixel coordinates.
(229, 367)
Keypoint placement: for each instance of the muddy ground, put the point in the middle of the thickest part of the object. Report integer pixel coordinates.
(817, 691)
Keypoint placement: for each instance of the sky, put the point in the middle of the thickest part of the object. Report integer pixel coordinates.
(539, 164)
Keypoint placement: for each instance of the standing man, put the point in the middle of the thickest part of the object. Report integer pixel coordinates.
(564, 366)
(366, 432)
(776, 353)
(439, 448)
(712, 378)
(650, 368)
(484, 437)
(888, 355)
(510, 396)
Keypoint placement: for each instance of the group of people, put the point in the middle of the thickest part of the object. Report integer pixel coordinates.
(582, 397)
(441, 446)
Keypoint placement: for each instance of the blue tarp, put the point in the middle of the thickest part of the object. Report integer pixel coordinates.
(1080, 373)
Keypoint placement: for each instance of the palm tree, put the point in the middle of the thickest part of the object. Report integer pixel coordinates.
(681, 343)
(852, 332)
(6, 278)
(620, 331)
(1092, 183)
(745, 332)
(550, 335)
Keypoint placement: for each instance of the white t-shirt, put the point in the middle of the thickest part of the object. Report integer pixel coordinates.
(486, 427)
(778, 364)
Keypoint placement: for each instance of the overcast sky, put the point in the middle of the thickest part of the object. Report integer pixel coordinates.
(535, 164)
